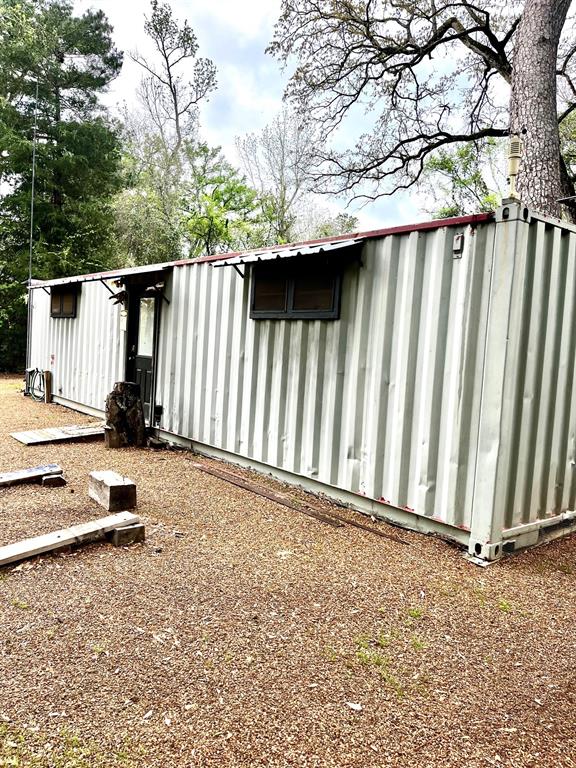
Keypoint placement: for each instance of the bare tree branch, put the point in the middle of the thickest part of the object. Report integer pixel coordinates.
(416, 76)
(174, 46)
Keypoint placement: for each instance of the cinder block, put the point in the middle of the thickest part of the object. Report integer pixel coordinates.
(128, 534)
(112, 491)
(53, 481)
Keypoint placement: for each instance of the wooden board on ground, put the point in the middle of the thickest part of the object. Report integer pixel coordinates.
(59, 434)
(332, 518)
(66, 537)
(31, 475)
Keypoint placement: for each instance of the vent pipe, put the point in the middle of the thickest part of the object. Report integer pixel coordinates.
(514, 156)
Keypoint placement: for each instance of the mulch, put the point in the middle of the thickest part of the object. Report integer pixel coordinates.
(243, 633)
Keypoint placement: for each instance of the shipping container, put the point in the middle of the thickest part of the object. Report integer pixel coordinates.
(422, 374)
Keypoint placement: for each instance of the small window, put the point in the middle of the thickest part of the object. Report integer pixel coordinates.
(270, 293)
(298, 291)
(63, 301)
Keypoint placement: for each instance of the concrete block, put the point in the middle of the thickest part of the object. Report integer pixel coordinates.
(53, 481)
(128, 534)
(112, 491)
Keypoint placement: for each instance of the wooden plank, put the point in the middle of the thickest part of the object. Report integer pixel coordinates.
(31, 475)
(58, 434)
(268, 494)
(47, 386)
(66, 537)
(331, 518)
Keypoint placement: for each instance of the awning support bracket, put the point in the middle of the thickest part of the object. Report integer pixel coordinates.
(107, 287)
(242, 274)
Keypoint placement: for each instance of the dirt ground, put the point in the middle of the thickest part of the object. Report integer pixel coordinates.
(243, 633)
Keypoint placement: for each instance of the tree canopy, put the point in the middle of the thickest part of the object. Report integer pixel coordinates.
(53, 65)
(424, 76)
(171, 99)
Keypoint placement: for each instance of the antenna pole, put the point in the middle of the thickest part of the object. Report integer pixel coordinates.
(31, 239)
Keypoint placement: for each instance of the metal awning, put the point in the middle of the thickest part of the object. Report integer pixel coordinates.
(111, 275)
(287, 252)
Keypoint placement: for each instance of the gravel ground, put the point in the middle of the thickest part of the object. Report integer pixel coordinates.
(260, 637)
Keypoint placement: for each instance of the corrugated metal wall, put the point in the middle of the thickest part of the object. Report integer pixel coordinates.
(86, 353)
(383, 402)
(446, 388)
(536, 472)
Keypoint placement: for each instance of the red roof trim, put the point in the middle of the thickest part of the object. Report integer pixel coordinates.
(476, 218)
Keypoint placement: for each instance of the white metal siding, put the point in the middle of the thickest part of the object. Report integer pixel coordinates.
(85, 353)
(446, 388)
(383, 402)
(537, 472)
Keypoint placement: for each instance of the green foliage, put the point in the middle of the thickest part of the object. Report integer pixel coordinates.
(415, 612)
(13, 313)
(178, 192)
(53, 65)
(24, 606)
(458, 178)
(341, 224)
(143, 233)
(222, 212)
(147, 216)
(568, 142)
(197, 206)
(27, 748)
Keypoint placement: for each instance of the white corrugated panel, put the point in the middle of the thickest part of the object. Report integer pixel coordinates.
(383, 402)
(287, 252)
(537, 477)
(85, 354)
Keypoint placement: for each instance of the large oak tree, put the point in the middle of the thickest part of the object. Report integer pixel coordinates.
(423, 76)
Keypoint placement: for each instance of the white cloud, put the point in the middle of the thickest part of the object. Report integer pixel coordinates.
(250, 83)
(249, 21)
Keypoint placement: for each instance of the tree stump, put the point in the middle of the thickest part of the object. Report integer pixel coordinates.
(124, 416)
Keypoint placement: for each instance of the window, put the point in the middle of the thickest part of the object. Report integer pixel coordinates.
(295, 290)
(64, 301)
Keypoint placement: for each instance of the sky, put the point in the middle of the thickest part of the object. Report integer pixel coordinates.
(234, 35)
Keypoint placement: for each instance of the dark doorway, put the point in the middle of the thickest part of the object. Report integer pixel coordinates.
(141, 343)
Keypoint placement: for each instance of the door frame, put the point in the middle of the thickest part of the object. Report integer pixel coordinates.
(138, 287)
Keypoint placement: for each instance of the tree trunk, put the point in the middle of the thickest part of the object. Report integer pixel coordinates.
(124, 416)
(533, 105)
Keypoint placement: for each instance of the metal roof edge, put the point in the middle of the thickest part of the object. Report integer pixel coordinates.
(287, 251)
(552, 220)
(476, 218)
(110, 275)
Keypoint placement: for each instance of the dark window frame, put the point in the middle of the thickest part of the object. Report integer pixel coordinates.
(61, 292)
(291, 273)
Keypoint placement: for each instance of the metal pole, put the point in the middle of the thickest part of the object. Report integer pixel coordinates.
(31, 241)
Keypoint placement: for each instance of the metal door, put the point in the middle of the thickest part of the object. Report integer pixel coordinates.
(141, 346)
